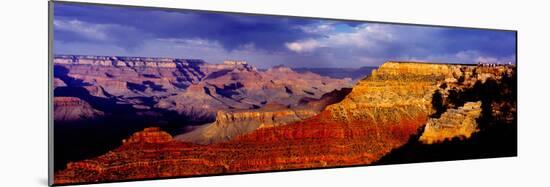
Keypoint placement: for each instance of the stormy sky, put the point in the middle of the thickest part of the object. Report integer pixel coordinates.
(265, 41)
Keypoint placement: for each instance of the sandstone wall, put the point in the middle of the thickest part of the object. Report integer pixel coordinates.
(454, 123)
(396, 91)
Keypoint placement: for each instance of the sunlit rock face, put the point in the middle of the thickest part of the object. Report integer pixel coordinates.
(400, 90)
(454, 123)
(396, 91)
(458, 103)
(380, 114)
(230, 124)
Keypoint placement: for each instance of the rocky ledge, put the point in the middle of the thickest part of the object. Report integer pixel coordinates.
(459, 123)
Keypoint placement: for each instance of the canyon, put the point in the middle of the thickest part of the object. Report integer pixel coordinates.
(231, 124)
(99, 100)
(191, 87)
(399, 104)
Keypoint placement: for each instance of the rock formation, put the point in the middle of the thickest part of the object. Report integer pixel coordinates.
(149, 135)
(190, 87)
(58, 83)
(230, 124)
(396, 91)
(459, 123)
(129, 76)
(458, 103)
(380, 114)
(241, 89)
(72, 109)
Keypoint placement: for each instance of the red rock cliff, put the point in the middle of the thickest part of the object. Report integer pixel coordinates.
(380, 114)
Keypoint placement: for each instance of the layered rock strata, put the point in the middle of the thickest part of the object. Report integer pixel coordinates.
(396, 91)
(380, 114)
(230, 124)
(130, 76)
(242, 89)
(191, 87)
(72, 108)
(454, 123)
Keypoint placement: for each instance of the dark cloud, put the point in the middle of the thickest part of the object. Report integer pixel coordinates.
(267, 40)
(491, 42)
(231, 30)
